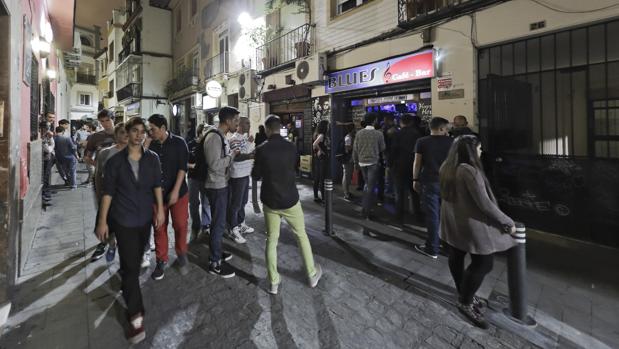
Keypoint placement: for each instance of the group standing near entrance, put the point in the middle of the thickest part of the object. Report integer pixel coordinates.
(144, 175)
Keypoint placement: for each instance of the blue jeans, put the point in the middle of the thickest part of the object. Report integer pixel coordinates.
(200, 216)
(69, 167)
(218, 199)
(370, 176)
(238, 199)
(431, 205)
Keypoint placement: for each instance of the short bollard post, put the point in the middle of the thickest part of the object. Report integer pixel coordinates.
(516, 278)
(329, 207)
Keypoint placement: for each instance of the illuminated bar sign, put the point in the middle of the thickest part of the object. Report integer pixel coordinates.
(415, 66)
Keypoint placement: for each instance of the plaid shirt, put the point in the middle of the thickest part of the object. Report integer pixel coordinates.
(368, 145)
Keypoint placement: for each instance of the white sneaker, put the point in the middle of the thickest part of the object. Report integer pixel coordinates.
(235, 234)
(273, 288)
(146, 260)
(246, 229)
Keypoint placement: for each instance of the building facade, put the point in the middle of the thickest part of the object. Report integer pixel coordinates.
(84, 93)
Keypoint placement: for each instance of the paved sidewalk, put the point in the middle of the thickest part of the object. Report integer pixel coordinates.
(375, 293)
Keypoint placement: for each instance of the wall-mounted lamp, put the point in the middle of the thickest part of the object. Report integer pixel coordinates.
(41, 46)
(175, 110)
(51, 74)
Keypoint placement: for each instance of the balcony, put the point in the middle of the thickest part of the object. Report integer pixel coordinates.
(186, 79)
(217, 65)
(131, 91)
(86, 79)
(109, 94)
(286, 48)
(416, 13)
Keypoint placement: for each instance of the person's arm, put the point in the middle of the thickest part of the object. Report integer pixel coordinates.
(316, 144)
(102, 228)
(476, 186)
(90, 149)
(160, 218)
(183, 156)
(355, 151)
(416, 170)
(212, 153)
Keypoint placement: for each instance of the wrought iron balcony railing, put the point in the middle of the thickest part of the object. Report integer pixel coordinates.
(86, 79)
(187, 78)
(132, 90)
(217, 65)
(415, 13)
(286, 48)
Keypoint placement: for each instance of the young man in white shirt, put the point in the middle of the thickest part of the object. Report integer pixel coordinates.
(239, 182)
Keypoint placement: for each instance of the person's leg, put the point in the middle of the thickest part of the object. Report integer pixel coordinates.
(60, 169)
(194, 204)
(218, 200)
(316, 175)
(129, 248)
(235, 186)
(400, 196)
(365, 202)
(161, 236)
(431, 201)
(474, 275)
(456, 266)
(72, 167)
(244, 199)
(295, 219)
(372, 178)
(272, 221)
(180, 215)
(205, 208)
(380, 183)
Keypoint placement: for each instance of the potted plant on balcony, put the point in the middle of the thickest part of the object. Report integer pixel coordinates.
(262, 38)
(302, 47)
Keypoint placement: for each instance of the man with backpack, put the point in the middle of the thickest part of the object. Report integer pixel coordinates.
(219, 157)
(196, 174)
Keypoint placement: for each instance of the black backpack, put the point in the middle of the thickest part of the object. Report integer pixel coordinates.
(201, 168)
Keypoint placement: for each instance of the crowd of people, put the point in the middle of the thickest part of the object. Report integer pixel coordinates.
(440, 171)
(144, 176)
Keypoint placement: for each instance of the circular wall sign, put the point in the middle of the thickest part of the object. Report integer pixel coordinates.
(213, 89)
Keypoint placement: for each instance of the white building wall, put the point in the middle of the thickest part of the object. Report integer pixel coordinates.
(156, 29)
(77, 110)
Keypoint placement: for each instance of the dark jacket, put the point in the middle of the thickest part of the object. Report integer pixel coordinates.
(174, 155)
(64, 147)
(275, 162)
(460, 131)
(403, 150)
(132, 200)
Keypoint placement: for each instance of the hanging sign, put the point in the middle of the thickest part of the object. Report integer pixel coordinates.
(213, 89)
(411, 67)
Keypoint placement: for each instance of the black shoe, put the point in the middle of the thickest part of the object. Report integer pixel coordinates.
(424, 251)
(474, 315)
(226, 256)
(318, 200)
(182, 264)
(99, 252)
(158, 272)
(222, 269)
(478, 303)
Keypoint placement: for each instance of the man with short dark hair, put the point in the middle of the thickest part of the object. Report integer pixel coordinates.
(461, 127)
(174, 156)
(219, 157)
(239, 181)
(275, 163)
(199, 208)
(132, 187)
(66, 156)
(66, 125)
(430, 153)
(96, 142)
(367, 149)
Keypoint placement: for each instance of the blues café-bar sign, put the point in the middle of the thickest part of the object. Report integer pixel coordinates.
(415, 66)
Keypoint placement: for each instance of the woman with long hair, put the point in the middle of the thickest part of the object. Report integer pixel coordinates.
(471, 223)
(320, 161)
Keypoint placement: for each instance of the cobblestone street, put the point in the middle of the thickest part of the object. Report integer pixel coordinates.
(375, 293)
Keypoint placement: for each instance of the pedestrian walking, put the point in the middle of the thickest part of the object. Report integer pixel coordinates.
(121, 141)
(219, 157)
(275, 162)
(385, 178)
(320, 162)
(430, 152)
(47, 143)
(132, 186)
(261, 135)
(199, 208)
(367, 149)
(66, 156)
(173, 155)
(471, 223)
(81, 139)
(239, 181)
(344, 156)
(403, 155)
(94, 144)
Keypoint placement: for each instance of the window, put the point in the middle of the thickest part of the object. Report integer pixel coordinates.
(179, 18)
(343, 6)
(195, 64)
(111, 86)
(112, 54)
(84, 99)
(194, 8)
(86, 41)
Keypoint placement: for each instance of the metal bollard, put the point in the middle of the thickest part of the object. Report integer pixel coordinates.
(329, 207)
(516, 279)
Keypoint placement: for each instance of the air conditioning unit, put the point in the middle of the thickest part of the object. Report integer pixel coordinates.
(247, 84)
(311, 69)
